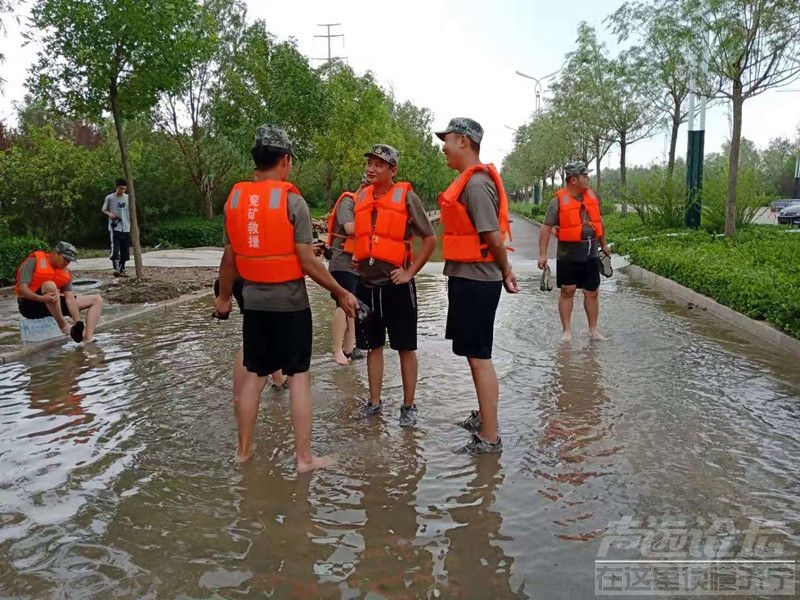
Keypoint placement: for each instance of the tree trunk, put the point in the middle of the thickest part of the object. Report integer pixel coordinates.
(597, 159)
(623, 146)
(126, 169)
(208, 206)
(673, 140)
(733, 159)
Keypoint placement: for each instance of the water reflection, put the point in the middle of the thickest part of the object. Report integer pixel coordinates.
(477, 565)
(575, 443)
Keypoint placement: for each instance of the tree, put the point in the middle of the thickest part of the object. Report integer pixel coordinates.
(117, 57)
(185, 115)
(6, 8)
(750, 46)
(665, 48)
(580, 95)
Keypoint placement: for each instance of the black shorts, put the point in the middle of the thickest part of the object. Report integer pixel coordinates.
(277, 340)
(470, 315)
(30, 309)
(394, 309)
(584, 275)
(347, 280)
(237, 292)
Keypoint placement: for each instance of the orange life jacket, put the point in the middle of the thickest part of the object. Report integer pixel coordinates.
(570, 224)
(260, 233)
(385, 239)
(44, 271)
(349, 241)
(460, 241)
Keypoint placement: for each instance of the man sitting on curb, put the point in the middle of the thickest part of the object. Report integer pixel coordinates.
(44, 289)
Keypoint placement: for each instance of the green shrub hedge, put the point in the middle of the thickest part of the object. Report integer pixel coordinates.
(532, 211)
(13, 251)
(186, 232)
(757, 273)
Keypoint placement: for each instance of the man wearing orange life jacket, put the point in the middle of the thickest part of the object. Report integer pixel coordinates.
(576, 212)
(341, 241)
(476, 225)
(44, 289)
(387, 215)
(267, 242)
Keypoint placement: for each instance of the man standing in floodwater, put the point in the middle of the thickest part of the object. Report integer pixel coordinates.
(267, 242)
(576, 212)
(475, 228)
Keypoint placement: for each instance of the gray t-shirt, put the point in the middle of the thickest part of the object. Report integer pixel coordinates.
(380, 273)
(574, 251)
(483, 206)
(120, 206)
(26, 276)
(290, 296)
(341, 260)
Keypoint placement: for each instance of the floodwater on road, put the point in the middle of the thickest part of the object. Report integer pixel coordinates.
(118, 479)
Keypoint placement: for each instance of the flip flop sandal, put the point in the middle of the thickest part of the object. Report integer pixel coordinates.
(605, 266)
(76, 332)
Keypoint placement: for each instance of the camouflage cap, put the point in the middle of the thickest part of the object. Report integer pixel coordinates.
(385, 152)
(576, 168)
(274, 138)
(463, 126)
(66, 250)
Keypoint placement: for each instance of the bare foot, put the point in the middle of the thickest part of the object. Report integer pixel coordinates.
(566, 336)
(65, 329)
(340, 359)
(88, 339)
(596, 335)
(317, 462)
(243, 458)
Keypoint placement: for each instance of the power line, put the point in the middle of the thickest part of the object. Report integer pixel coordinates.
(328, 35)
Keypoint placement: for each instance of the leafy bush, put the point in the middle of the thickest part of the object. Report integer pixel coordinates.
(186, 232)
(532, 211)
(757, 273)
(750, 196)
(659, 201)
(13, 250)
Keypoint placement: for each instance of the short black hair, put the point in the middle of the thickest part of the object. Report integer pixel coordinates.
(266, 158)
(475, 146)
(120, 182)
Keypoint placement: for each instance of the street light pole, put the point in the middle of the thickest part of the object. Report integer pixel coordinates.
(538, 87)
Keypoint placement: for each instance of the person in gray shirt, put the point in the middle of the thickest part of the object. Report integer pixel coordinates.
(340, 242)
(116, 207)
(268, 235)
(576, 212)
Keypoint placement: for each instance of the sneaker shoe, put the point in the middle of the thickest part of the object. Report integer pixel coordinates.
(472, 422)
(408, 415)
(480, 446)
(356, 354)
(117, 274)
(370, 409)
(123, 273)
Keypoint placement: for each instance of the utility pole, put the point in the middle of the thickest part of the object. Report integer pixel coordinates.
(328, 35)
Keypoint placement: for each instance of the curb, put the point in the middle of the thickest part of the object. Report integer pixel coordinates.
(760, 329)
(27, 349)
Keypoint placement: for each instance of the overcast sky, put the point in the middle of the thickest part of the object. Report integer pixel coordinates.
(458, 58)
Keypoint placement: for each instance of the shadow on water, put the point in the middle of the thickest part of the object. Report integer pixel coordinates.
(119, 479)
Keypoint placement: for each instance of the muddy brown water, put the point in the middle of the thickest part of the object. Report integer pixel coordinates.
(118, 480)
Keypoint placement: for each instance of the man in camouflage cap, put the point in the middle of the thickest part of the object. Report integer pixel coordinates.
(575, 211)
(463, 126)
(44, 289)
(475, 222)
(387, 268)
(268, 243)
